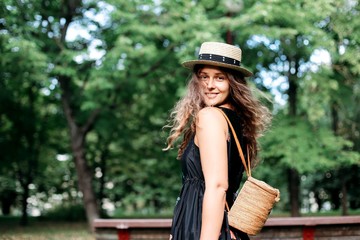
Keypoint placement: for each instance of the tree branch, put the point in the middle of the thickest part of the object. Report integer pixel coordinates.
(156, 65)
(91, 120)
(65, 98)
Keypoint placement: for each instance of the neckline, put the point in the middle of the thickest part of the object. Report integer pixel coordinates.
(226, 109)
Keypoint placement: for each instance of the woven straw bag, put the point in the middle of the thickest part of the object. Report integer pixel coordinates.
(255, 201)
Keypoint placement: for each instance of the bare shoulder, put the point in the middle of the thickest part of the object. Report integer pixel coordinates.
(210, 126)
(210, 115)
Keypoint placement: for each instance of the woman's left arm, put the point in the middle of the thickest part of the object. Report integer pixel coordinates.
(211, 135)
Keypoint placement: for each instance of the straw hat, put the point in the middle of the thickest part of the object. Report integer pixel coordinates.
(221, 55)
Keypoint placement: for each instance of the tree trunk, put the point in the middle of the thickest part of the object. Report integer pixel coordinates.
(335, 128)
(335, 117)
(85, 177)
(292, 93)
(103, 166)
(229, 34)
(25, 196)
(294, 190)
(344, 206)
(294, 178)
(7, 200)
(78, 135)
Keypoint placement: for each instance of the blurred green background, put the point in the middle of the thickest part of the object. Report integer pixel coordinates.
(87, 86)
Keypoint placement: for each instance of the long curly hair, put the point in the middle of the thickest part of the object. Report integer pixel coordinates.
(255, 117)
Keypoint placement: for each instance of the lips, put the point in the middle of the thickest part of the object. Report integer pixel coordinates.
(211, 95)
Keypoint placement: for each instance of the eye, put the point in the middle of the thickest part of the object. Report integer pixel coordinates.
(203, 77)
(220, 78)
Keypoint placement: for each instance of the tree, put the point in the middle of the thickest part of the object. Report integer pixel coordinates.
(116, 103)
(150, 40)
(343, 84)
(22, 116)
(283, 45)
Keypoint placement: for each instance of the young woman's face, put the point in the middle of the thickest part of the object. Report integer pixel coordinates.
(215, 87)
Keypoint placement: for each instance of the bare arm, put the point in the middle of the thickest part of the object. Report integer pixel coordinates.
(211, 134)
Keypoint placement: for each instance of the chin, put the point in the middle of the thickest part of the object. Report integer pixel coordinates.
(211, 104)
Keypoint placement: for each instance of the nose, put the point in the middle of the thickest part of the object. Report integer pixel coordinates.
(210, 83)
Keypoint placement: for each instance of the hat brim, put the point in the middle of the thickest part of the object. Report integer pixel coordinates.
(190, 65)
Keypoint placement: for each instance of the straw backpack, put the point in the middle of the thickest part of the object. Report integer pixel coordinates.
(254, 201)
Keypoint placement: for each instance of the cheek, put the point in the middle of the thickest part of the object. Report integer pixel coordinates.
(202, 87)
(226, 88)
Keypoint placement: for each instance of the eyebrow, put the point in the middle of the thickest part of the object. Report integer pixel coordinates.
(218, 73)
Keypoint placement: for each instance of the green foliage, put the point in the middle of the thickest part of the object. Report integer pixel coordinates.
(294, 143)
(318, 91)
(68, 213)
(23, 70)
(136, 79)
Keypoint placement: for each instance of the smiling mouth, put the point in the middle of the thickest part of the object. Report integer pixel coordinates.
(211, 95)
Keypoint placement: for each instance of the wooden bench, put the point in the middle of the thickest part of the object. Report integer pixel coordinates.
(294, 228)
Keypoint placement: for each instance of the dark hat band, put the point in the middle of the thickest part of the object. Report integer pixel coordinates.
(218, 58)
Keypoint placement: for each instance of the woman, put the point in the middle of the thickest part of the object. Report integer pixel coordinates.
(212, 169)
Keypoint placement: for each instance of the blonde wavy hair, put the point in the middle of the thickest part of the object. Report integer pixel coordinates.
(255, 117)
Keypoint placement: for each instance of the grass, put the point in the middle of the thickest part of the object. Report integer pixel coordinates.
(43, 230)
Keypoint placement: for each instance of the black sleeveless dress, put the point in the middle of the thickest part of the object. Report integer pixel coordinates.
(186, 224)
